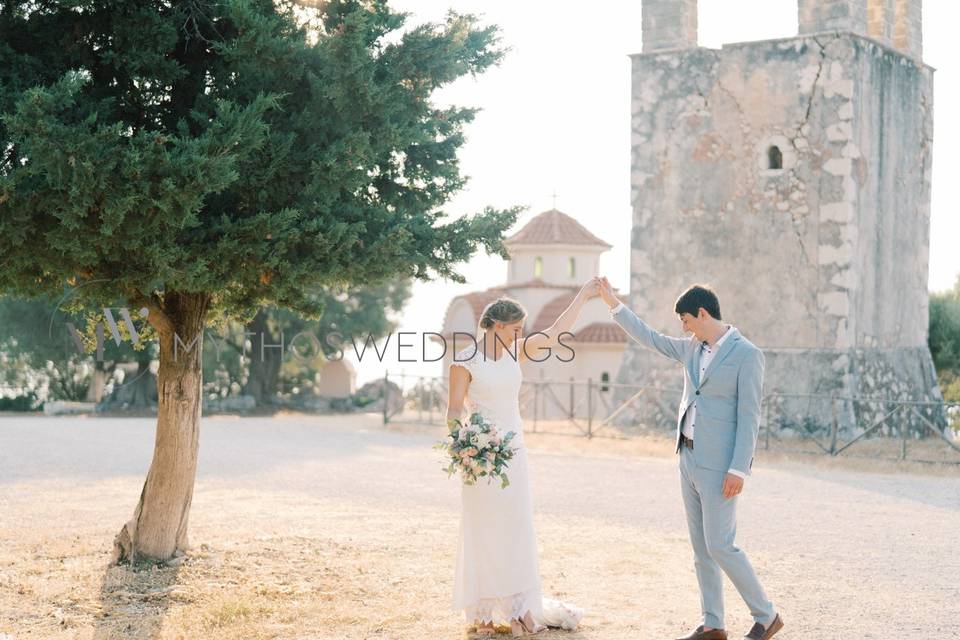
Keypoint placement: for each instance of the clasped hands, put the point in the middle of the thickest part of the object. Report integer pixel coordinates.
(600, 286)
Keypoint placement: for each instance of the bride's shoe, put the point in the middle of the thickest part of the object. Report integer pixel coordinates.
(485, 631)
(520, 627)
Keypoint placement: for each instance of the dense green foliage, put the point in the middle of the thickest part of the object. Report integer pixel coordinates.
(241, 148)
(944, 340)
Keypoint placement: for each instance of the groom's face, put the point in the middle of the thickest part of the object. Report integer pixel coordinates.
(693, 324)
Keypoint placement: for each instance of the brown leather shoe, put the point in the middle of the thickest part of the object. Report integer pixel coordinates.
(700, 634)
(759, 633)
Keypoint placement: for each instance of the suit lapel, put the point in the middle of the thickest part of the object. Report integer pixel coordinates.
(724, 351)
(693, 364)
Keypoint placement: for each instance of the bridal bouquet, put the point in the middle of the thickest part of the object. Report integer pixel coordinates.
(476, 449)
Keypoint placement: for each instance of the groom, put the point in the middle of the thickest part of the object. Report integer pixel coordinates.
(717, 429)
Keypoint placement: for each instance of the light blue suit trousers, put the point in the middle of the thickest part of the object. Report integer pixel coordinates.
(712, 522)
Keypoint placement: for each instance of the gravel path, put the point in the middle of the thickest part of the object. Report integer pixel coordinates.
(843, 554)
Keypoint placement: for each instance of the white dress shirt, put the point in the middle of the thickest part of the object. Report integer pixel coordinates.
(706, 355)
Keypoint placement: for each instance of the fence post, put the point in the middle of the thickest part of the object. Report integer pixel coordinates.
(418, 388)
(836, 426)
(589, 407)
(432, 392)
(386, 398)
(903, 437)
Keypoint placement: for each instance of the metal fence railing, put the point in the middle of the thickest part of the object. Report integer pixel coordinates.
(833, 425)
(886, 427)
(579, 407)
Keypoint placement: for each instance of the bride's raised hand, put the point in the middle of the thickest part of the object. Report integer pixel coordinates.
(591, 289)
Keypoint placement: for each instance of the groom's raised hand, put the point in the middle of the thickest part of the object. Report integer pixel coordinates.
(606, 292)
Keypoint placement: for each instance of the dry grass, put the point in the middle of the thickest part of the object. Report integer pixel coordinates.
(353, 572)
(272, 560)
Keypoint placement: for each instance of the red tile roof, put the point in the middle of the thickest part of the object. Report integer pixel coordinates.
(600, 332)
(552, 310)
(554, 227)
(480, 299)
(537, 283)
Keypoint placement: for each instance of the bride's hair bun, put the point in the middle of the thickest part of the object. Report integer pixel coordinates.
(504, 310)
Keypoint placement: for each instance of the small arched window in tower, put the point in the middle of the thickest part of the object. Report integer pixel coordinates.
(604, 381)
(572, 267)
(538, 267)
(774, 157)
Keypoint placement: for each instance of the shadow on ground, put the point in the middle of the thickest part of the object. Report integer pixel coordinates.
(134, 601)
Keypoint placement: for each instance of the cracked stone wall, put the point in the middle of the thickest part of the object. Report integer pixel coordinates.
(822, 262)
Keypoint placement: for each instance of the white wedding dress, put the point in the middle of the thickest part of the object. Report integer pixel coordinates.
(497, 576)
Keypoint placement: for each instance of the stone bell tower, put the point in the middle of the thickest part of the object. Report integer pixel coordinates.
(792, 175)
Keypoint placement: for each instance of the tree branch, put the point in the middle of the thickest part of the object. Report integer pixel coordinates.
(157, 317)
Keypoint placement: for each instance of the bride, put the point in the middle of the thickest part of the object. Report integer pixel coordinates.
(497, 577)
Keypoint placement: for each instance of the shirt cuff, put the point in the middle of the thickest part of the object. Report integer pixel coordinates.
(739, 474)
(617, 308)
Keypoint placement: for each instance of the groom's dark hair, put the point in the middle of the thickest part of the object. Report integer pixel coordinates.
(695, 297)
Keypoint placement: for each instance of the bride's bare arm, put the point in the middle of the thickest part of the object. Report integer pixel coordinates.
(534, 343)
(459, 381)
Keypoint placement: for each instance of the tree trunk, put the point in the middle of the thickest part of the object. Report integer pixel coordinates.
(263, 373)
(98, 380)
(158, 530)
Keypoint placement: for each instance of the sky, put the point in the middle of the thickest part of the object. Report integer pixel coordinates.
(555, 119)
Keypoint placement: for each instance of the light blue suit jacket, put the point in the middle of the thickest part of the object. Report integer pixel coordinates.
(728, 397)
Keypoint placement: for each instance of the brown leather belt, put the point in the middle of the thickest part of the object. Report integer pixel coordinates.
(685, 441)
